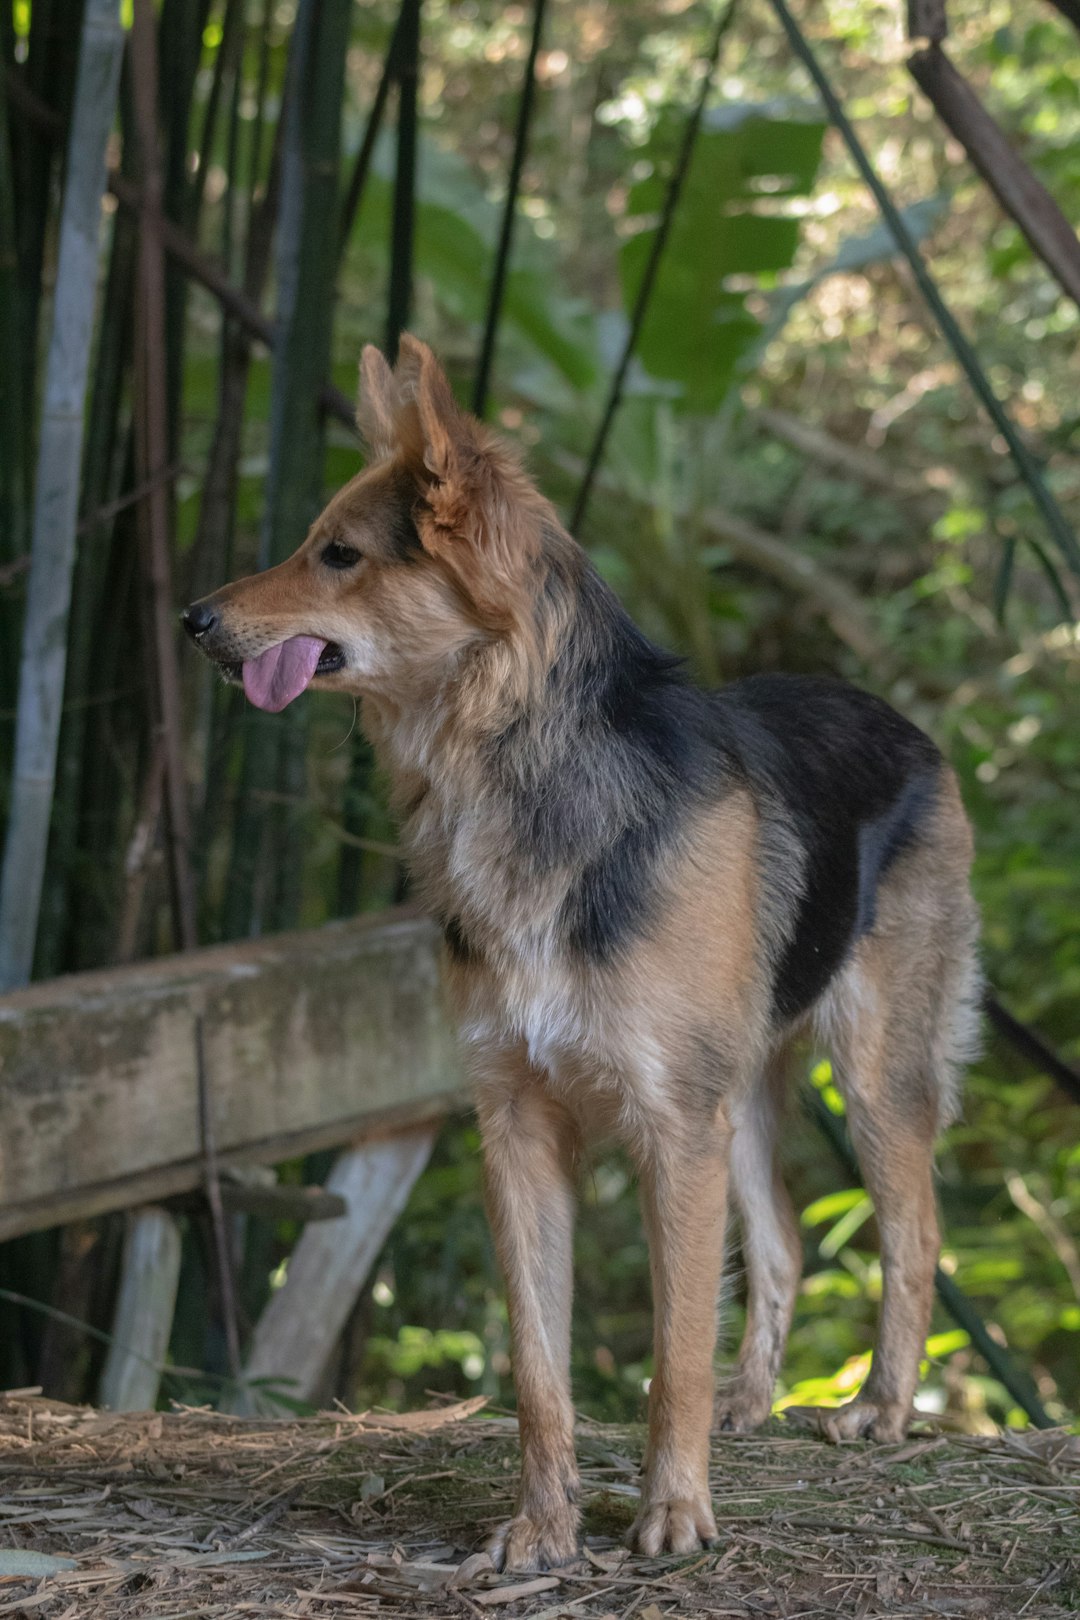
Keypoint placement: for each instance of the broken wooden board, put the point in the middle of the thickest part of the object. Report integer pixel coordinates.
(311, 1039)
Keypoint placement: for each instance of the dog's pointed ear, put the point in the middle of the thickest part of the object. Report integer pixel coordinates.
(447, 437)
(376, 407)
(468, 482)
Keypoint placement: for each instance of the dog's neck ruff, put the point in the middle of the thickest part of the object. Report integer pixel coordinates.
(533, 782)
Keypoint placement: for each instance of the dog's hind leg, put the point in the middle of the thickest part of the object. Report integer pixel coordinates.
(901, 1020)
(529, 1151)
(895, 1058)
(684, 1196)
(772, 1253)
(895, 1150)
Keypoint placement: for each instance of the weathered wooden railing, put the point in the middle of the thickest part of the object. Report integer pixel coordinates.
(334, 1037)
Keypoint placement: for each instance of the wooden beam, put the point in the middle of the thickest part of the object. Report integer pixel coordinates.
(312, 1039)
(298, 1329)
(1022, 196)
(142, 1322)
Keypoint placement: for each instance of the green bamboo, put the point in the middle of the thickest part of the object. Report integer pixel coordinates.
(14, 499)
(103, 464)
(401, 239)
(258, 123)
(55, 31)
(354, 191)
(183, 23)
(506, 230)
(226, 71)
(212, 553)
(14, 490)
(34, 162)
(405, 37)
(267, 867)
(57, 492)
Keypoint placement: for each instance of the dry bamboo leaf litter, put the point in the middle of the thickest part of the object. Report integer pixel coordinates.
(192, 1515)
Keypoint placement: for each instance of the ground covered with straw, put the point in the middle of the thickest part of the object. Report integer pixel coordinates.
(192, 1514)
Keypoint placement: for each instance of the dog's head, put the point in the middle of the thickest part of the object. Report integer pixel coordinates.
(435, 546)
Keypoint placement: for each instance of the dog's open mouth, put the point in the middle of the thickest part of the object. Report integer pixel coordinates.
(281, 673)
(331, 659)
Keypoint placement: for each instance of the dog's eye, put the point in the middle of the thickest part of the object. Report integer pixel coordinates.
(338, 555)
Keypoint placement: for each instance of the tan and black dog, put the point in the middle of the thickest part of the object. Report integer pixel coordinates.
(648, 892)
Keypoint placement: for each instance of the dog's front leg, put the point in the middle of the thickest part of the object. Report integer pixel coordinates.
(528, 1156)
(684, 1187)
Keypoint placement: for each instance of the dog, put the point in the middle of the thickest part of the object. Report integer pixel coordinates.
(649, 895)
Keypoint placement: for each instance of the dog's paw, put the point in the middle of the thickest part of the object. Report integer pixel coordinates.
(740, 1410)
(863, 1420)
(529, 1543)
(679, 1525)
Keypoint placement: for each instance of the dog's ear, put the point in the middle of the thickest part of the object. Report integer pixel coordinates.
(468, 483)
(446, 449)
(442, 434)
(376, 407)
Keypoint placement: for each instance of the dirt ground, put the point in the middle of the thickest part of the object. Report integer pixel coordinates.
(189, 1514)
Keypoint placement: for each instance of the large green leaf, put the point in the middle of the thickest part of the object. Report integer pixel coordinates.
(456, 229)
(697, 327)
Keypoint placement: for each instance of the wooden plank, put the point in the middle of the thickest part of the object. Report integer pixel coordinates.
(1021, 195)
(298, 1329)
(310, 1038)
(142, 1321)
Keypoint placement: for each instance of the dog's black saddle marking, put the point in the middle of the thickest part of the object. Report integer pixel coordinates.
(849, 780)
(857, 781)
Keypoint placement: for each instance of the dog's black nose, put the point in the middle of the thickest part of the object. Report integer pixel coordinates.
(198, 619)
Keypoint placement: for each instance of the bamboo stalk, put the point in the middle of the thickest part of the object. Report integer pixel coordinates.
(197, 265)
(259, 120)
(402, 63)
(506, 233)
(152, 457)
(97, 534)
(183, 23)
(34, 173)
(44, 650)
(14, 529)
(362, 167)
(266, 867)
(14, 491)
(226, 65)
(401, 240)
(212, 551)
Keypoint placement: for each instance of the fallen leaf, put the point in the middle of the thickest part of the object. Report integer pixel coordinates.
(511, 1594)
(470, 1568)
(21, 1561)
(423, 1422)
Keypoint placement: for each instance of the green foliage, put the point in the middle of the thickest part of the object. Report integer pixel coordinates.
(697, 327)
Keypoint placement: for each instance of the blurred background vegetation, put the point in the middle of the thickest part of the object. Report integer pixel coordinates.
(798, 479)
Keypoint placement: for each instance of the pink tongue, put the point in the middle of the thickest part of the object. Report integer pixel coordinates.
(281, 673)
